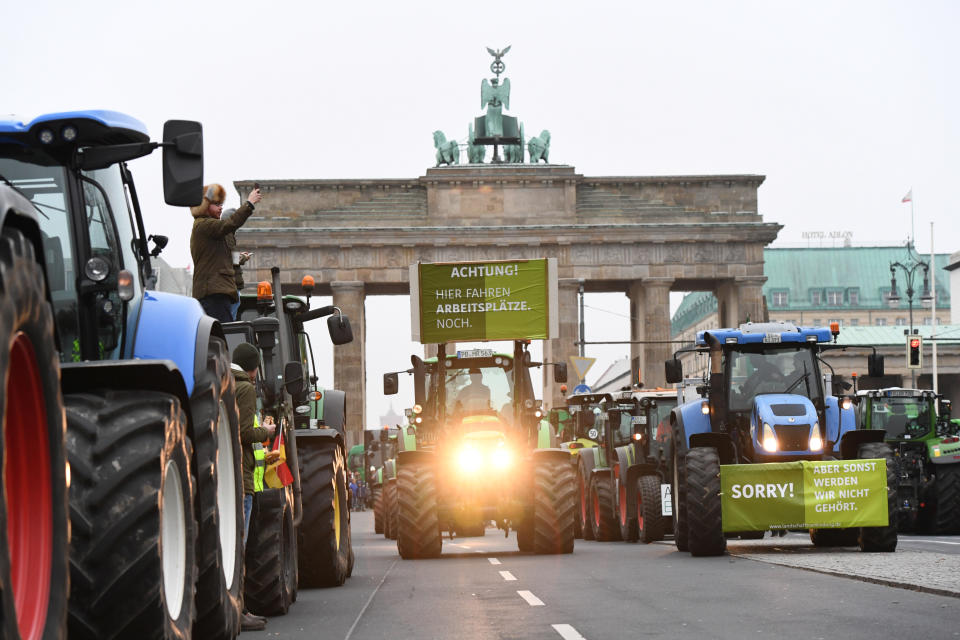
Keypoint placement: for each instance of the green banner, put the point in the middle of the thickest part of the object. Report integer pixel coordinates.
(804, 495)
(483, 301)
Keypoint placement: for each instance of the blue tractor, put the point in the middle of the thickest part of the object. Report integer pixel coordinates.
(764, 401)
(119, 419)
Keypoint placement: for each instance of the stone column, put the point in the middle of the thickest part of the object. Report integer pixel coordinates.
(349, 363)
(656, 321)
(750, 298)
(635, 295)
(728, 304)
(560, 349)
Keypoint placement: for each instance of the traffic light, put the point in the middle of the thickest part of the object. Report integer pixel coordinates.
(914, 352)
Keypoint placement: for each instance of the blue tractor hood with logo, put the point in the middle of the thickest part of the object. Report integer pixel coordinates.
(791, 419)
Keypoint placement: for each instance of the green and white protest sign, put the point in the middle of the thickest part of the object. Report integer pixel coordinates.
(466, 301)
(804, 495)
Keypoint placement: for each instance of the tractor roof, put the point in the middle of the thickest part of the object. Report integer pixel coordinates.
(766, 332)
(90, 128)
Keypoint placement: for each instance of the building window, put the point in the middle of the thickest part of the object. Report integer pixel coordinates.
(837, 320)
(816, 297)
(853, 296)
(854, 322)
(816, 322)
(834, 298)
(901, 322)
(881, 322)
(780, 298)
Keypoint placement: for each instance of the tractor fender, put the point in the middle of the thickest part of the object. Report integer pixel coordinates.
(637, 471)
(606, 471)
(317, 437)
(132, 375)
(415, 457)
(172, 327)
(720, 441)
(333, 411)
(851, 441)
(561, 455)
(588, 458)
(693, 421)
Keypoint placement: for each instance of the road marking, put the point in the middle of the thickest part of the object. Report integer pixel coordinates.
(507, 576)
(922, 540)
(567, 632)
(531, 599)
(494, 561)
(369, 600)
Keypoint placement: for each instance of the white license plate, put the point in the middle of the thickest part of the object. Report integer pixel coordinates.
(666, 500)
(772, 338)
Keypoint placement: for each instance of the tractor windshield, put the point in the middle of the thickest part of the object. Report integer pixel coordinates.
(784, 370)
(479, 390)
(903, 418)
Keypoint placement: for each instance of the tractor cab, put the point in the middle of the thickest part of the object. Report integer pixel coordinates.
(587, 424)
(766, 393)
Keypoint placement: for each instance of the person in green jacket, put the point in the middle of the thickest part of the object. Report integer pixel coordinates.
(214, 283)
(246, 362)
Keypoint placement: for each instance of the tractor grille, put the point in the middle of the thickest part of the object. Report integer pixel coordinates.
(793, 437)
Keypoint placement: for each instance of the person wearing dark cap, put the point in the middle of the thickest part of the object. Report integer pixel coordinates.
(214, 283)
(246, 363)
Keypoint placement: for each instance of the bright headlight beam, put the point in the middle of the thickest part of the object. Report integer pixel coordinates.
(769, 438)
(500, 458)
(470, 459)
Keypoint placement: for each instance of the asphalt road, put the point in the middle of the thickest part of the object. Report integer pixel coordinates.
(483, 588)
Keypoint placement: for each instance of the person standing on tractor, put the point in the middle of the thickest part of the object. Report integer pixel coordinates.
(246, 363)
(214, 283)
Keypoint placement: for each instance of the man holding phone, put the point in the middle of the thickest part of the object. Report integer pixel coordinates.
(214, 278)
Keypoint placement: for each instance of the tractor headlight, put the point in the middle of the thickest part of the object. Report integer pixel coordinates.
(470, 459)
(769, 438)
(816, 443)
(501, 458)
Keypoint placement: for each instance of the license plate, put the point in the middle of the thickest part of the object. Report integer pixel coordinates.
(638, 419)
(772, 338)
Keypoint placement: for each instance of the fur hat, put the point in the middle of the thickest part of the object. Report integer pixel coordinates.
(246, 356)
(212, 193)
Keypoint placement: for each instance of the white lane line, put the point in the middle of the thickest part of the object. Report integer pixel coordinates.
(567, 632)
(921, 540)
(494, 561)
(531, 599)
(369, 600)
(507, 576)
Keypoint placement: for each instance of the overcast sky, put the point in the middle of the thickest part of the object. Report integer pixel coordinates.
(843, 106)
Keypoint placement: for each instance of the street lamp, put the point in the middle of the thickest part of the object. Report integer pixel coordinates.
(893, 299)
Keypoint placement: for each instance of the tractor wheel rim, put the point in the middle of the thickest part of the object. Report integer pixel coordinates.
(226, 495)
(28, 485)
(596, 505)
(336, 512)
(173, 541)
(623, 504)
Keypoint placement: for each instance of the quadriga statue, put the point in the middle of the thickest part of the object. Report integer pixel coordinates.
(448, 152)
(539, 147)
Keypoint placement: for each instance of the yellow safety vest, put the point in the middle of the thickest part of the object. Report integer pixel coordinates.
(260, 465)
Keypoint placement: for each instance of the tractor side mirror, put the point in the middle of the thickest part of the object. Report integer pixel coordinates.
(560, 372)
(294, 380)
(339, 328)
(875, 365)
(391, 384)
(182, 163)
(674, 371)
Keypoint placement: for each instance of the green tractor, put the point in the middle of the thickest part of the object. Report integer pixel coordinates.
(480, 450)
(380, 448)
(299, 534)
(580, 435)
(926, 453)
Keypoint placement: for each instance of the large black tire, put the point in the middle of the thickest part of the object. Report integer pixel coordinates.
(649, 513)
(584, 514)
(705, 526)
(34, 525)
(271, 557)
(525, 534)
(133, 554)
(378, 509)
(629, 529)
(834, 537)
(554, 505)
(679, 497)
(324, 540)
(946, 516)
(604, 523)
(418, 527)
(217, 462)
(882, 539)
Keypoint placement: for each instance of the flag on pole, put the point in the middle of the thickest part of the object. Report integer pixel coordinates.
(908, 197)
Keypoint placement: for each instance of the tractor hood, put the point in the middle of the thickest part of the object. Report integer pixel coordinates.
(791, 420)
